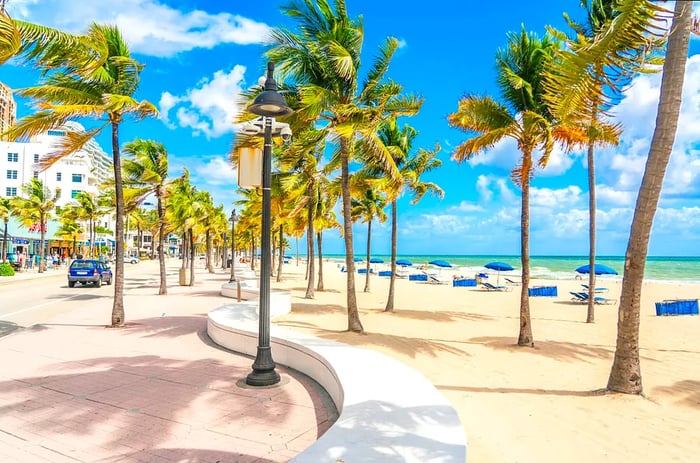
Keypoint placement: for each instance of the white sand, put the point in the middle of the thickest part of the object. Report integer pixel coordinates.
(520, 404)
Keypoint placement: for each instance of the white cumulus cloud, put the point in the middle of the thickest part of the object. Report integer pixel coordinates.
(210, 107)
(150, 27)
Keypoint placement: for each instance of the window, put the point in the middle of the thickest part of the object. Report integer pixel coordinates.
(12, 157)
(36, 158)
(56, 133)
(12, 174)
(74, 193)
(10, 191)
(77, 178)
(58, 176)
(36, 174)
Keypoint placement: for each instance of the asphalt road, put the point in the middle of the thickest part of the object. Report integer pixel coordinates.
(27, 302)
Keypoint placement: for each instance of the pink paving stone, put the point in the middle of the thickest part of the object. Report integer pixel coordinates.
(154, 391)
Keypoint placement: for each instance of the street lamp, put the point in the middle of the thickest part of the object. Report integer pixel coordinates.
(232, 219)
(268, 104)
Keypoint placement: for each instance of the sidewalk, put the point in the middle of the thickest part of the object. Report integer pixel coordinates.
(156, 390)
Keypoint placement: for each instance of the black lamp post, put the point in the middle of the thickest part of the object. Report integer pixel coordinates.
(268, 104)
(232, 219)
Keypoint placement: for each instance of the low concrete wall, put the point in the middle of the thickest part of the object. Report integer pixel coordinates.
(389, 412)
(280, 299)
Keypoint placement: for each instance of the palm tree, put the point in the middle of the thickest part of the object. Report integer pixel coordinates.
(612, 71)
(625, 374)
(106, 94)
(525, 118)
(147, 169)
(88, 208)
(47, 48)
(412, 168)
(34, 207)
(5, 213)
(69, 228)
(324, 60)
(369, 204)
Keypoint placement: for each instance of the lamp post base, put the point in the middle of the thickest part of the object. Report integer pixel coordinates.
(263, 373)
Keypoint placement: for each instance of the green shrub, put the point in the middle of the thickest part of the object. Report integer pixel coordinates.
(6, 270)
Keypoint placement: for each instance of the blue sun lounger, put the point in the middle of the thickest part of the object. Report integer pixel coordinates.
(490, 287)
(583, 298)
(597, 290)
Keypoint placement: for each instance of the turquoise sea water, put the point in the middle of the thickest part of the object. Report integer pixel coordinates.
(682, 269)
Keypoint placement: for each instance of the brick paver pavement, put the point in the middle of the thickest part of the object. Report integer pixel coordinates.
(154, 391)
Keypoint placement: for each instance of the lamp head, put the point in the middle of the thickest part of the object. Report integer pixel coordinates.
(269, 103)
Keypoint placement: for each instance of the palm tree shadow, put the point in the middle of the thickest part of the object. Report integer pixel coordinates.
(103, 393)
(436, 315)
(687, 391)
(565, 351)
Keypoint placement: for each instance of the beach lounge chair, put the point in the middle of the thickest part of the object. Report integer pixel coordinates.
(438, 279)
(597, 290)
(512, 282)
(490, 287)
(583, 298)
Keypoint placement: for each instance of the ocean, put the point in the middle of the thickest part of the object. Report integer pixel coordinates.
(666, 269)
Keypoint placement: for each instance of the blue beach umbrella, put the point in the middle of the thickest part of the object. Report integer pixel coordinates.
(404, 262)
(440, 263)
(358, 259)
(498, 267)
(599, 269)
(376, 260)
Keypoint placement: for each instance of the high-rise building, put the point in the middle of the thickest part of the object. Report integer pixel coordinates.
(83, 170)
(8, 108)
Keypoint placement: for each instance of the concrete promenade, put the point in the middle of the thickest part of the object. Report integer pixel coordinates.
(157, 390)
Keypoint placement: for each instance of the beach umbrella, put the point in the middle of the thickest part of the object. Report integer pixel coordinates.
(599, 269)
(498, 267)
(440, 263)
(358, 259)
(376, 260)
(404, 262)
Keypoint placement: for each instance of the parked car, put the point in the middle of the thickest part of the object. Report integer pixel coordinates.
(89, 271)
(131, 259)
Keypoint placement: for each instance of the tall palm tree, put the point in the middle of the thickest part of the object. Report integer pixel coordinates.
(613, 71)
(368, 204)
(106, 94)
(323, 59)
(625, 374)
(524, 118)
(5, 212)
(47, 48)
(146, 168)
(88, 208)
(34, 207)
(70, 228)
(412, 168)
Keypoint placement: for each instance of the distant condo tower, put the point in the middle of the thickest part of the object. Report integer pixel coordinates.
(8, 108)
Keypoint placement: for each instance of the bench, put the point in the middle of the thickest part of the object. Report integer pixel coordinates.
(388, 412)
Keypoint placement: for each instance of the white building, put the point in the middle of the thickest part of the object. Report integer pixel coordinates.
(84, 170)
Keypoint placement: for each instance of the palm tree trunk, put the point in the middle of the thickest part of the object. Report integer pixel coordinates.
(590, 314)
(354, 323)
(525, 336)
(319, 240)
(252, 254)
(4, 243)
(161, 255)
(392, 280)
(369, 244)
(625, 374)
(281, 254)
(118, 306)
(210, 267)
(42, 253)
(192, 257)
(309, 252)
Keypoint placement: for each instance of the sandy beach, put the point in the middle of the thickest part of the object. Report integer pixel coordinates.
(528, 405)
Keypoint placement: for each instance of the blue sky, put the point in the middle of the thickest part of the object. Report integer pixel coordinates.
(200, 54)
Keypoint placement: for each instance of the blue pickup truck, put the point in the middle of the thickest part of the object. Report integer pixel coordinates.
(89, 271)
